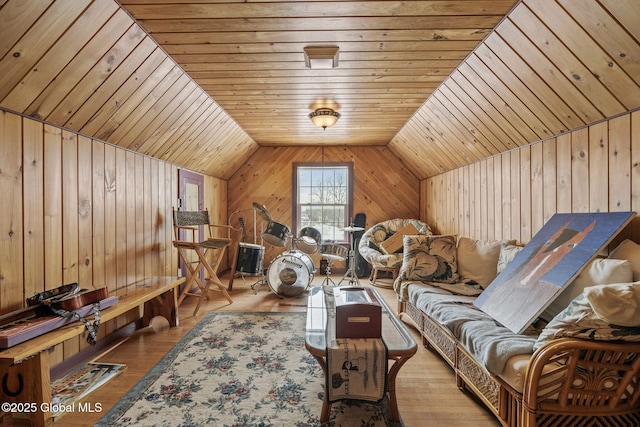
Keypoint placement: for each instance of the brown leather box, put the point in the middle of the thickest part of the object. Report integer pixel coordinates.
(358, 313)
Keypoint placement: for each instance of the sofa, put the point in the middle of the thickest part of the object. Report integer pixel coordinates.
(577, 364)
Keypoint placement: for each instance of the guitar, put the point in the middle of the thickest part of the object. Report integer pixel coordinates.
(243, 227)
(85, 297)
(53, 295)
(68, 297)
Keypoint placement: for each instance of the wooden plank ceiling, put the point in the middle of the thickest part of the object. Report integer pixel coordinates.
(204, 83)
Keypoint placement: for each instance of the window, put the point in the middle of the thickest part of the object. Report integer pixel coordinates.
(322, 198)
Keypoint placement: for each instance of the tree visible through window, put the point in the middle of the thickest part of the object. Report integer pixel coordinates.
(323, 198)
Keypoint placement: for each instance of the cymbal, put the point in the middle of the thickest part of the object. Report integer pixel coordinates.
(352, 229)
(262, 211)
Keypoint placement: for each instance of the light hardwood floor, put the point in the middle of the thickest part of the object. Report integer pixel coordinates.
(426, 388)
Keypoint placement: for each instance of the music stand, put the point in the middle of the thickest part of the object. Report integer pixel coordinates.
(351, 271)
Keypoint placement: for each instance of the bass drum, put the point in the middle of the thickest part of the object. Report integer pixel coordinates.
(290, 274)
(250, 258)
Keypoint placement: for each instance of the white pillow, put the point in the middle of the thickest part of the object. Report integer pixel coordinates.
(618, 304)
(478, 260)
(600, 271)
(630, 251)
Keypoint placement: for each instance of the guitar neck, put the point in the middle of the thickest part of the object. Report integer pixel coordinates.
(244, 228)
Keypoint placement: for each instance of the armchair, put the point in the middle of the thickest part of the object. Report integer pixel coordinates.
(370, 241)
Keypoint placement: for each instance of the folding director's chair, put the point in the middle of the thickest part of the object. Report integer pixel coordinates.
(218, 238)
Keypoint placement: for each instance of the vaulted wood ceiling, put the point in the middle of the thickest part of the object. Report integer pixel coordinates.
(204, 83)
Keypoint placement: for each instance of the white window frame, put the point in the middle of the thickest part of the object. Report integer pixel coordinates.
(302, 205)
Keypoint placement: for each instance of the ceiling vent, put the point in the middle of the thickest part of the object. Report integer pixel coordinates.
(321, 57)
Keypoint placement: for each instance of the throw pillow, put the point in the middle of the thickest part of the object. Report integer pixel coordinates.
(478, 260)
(579, 320)
(598, 272)
(618, 304)
(507, 253)
(630, 251)
(429, 259)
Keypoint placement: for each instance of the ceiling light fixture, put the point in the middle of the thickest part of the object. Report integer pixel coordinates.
(321, 57)
(324, 117)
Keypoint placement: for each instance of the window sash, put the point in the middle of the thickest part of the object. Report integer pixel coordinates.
(323, 194)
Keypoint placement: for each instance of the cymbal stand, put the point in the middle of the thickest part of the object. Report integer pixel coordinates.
(264, 214)
(263, 279)
(351, 271)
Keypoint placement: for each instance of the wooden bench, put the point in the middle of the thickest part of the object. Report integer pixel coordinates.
(25, 367)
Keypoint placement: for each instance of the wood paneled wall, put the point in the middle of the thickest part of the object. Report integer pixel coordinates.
(383, 187)
(75, 209)
(511, 195)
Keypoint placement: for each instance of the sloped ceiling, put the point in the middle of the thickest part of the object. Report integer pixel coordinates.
(204, 83)
(549, 67)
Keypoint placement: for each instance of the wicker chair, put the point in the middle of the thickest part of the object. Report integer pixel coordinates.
(370, 241)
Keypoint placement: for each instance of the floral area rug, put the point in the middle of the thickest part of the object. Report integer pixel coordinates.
(239, 369)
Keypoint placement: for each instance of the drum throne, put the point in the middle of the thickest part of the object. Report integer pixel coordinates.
(188, 226)
(331, 252)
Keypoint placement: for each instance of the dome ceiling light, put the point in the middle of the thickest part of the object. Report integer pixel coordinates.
(324, 117)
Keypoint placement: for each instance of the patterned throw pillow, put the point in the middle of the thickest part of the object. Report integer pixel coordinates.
(430, 259)
(579, 320)
(507, 253)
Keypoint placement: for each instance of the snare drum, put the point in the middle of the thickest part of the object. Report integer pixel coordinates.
(250, 259)
(290, 273)
(276, 233)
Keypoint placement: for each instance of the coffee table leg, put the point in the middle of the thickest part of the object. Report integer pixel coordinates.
(326, 406)
(391, 384)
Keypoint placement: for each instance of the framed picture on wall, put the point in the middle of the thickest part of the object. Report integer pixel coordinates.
(547, 264)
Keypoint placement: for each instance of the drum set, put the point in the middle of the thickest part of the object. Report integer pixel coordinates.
(290, 273)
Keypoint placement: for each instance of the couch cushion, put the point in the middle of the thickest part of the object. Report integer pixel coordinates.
(515, 372)
(598, 272)
(478, 260)
(430, 259)
(618, 304)
(579, 320)
(488, 342)
(491, 344)
(630, 251)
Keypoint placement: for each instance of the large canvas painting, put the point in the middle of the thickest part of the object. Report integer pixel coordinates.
(548, 263)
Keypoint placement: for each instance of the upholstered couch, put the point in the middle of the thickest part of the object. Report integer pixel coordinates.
(576, 365)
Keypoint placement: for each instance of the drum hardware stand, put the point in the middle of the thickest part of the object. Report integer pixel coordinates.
(351, 271)
(328, 281)
(260, 283)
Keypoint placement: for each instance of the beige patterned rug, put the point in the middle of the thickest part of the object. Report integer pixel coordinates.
(239, 369)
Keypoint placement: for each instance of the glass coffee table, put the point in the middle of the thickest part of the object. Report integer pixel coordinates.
(321, 329)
